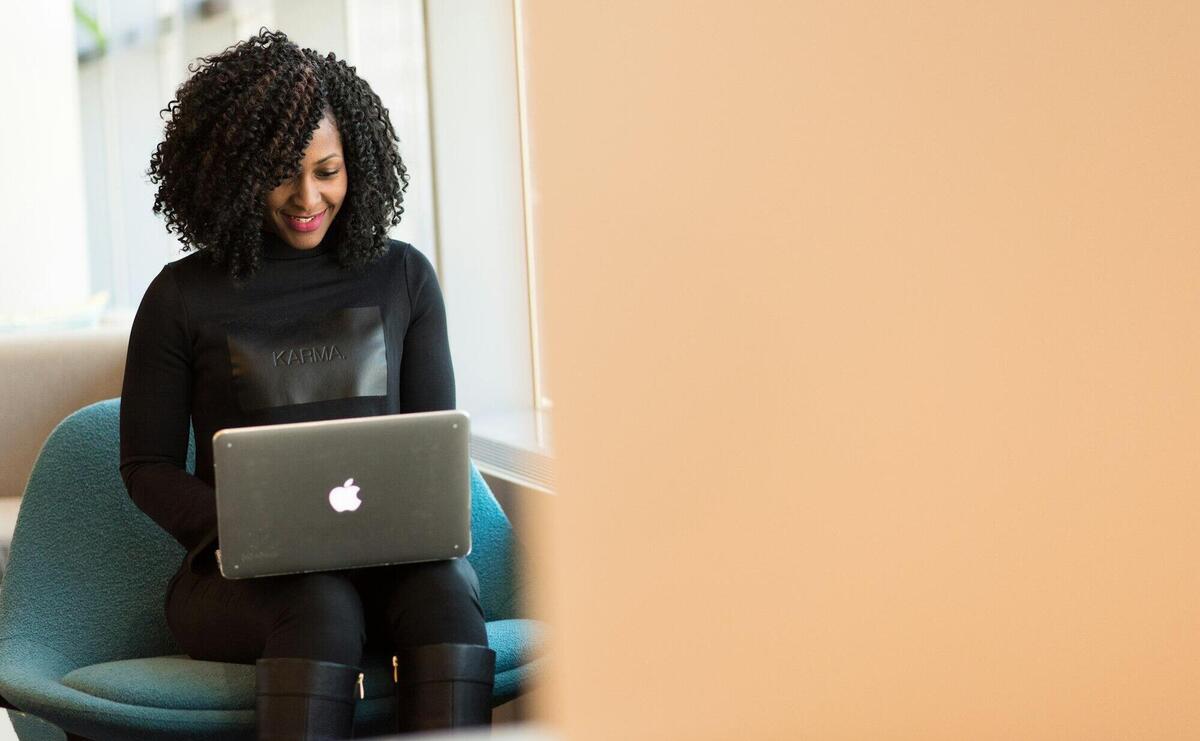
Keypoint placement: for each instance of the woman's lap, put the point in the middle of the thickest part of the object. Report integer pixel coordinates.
(325, 615)
(421, 603)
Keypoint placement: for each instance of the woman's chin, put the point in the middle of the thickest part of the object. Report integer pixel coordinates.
(305, 241)
(304, 244)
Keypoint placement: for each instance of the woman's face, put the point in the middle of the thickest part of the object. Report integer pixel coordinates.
(300, 210)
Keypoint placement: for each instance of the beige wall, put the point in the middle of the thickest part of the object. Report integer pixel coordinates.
(874, 337)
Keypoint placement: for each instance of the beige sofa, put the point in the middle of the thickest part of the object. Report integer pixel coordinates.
(43, 378)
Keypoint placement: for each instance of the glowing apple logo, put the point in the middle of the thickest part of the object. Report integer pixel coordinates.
(344, 498)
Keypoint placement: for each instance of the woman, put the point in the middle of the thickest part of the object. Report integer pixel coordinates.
(279, 168)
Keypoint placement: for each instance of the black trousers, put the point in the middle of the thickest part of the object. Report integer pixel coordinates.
(327, 616)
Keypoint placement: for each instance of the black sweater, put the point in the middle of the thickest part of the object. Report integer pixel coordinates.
(304, 339)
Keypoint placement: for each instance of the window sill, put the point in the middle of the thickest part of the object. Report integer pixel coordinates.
(514, 446)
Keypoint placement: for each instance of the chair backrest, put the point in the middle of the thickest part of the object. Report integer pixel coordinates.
(493, 553)
(89, 570)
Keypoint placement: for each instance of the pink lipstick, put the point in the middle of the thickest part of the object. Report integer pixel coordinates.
(301, 224)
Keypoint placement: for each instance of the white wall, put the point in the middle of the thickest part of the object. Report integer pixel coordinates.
(41, 191)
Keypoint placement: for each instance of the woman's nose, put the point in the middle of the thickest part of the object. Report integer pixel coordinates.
(308, 195)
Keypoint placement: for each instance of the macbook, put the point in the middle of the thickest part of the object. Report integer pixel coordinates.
(342, 493)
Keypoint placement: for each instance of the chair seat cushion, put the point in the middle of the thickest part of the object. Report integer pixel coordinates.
(181, 683)
(516, 642)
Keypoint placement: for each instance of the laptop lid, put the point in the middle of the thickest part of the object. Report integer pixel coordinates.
(342, 493)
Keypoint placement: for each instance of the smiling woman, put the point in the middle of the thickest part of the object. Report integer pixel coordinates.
(300, 209)
(279, 168)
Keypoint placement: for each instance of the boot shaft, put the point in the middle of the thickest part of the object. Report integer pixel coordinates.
(304, 699)
(444, 685)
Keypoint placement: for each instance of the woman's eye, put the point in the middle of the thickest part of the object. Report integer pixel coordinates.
(328, 173)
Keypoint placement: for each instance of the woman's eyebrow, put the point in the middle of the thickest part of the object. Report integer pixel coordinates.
(328, 157)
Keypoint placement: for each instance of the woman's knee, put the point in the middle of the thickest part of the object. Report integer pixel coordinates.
(321, 617)
(450, 579)
(436, 602)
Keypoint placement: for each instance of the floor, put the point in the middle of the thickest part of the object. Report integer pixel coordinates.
(511, 721)
(503, 732)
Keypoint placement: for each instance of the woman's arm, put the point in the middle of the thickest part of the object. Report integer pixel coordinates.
(426, 371)
(155, 417)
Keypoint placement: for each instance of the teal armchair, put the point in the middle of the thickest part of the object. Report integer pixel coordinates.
(84, 644)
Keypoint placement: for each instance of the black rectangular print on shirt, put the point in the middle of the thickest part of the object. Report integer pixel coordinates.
(337, 355)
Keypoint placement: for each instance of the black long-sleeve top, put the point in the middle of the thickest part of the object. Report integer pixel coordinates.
(304, 339)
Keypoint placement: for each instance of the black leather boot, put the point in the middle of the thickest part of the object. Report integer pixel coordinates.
(301, 699)
(443, 685)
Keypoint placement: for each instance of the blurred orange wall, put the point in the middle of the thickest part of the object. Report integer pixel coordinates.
(874, 334)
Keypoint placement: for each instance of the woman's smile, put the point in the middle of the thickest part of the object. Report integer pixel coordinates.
(305, 223)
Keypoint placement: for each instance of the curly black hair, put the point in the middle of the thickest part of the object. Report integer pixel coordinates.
(239, 126)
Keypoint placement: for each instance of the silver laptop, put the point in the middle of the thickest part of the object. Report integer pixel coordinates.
(342, 493)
